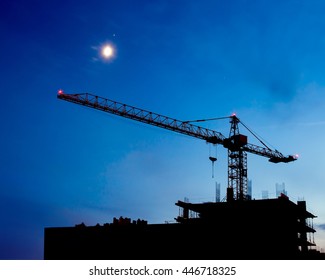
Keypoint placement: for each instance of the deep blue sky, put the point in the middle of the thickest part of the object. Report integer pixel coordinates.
(62, 164)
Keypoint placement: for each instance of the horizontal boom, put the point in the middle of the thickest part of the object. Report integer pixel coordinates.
(144, 116)
(184, 127)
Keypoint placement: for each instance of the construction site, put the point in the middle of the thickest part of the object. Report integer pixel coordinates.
(238, 227)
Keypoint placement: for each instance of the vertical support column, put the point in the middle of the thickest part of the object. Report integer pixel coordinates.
(237, 162)
(302, 222)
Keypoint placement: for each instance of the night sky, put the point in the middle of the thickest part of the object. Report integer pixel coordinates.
(62, 164)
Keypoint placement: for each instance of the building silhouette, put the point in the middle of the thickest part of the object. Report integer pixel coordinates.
(252, 229)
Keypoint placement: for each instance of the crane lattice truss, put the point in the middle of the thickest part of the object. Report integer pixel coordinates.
(236, 143)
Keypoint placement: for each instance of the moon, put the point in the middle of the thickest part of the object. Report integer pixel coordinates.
(107, 51)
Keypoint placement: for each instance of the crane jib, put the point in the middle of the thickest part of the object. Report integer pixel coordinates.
(236, 143)
(145, 116)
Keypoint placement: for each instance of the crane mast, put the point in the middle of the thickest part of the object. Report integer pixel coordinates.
(236, 143)
(237, 163)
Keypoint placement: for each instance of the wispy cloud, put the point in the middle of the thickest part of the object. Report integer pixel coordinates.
(321, 226)
(316, 123)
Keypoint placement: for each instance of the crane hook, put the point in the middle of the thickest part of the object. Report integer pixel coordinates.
(213, 160)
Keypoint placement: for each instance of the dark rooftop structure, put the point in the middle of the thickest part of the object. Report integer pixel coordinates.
(253, 229)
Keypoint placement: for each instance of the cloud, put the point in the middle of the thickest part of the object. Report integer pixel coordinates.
(148, 181)
(321, 226)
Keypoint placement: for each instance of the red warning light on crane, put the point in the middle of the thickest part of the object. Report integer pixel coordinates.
(60, 91)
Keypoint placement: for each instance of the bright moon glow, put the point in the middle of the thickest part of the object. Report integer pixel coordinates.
(107, 51)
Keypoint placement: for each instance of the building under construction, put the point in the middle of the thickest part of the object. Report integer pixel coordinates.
(238, 228)
(254, 229)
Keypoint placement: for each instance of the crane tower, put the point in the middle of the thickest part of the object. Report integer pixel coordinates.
(236, 143)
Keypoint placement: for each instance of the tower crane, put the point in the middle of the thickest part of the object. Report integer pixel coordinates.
(236, 143)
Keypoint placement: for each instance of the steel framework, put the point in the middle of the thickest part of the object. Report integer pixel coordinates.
(236, 143)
